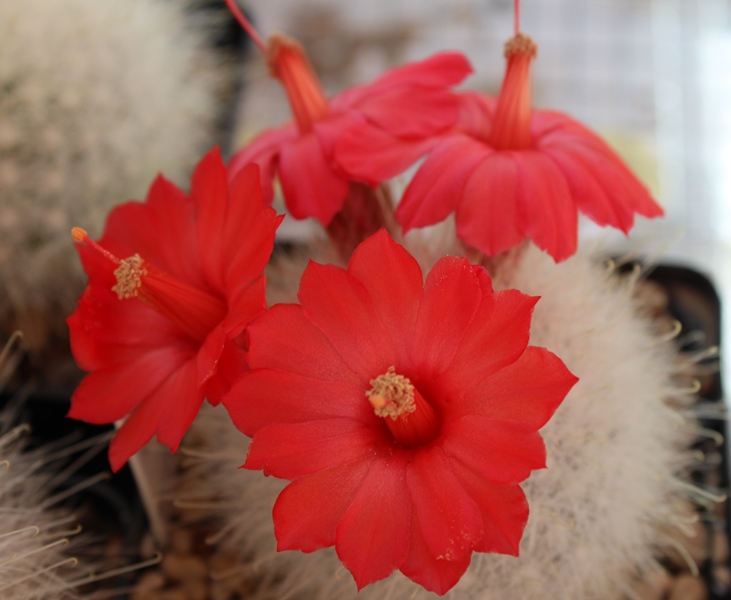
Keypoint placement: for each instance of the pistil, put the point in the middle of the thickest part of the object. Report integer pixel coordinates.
(197, 312)
(411, 420)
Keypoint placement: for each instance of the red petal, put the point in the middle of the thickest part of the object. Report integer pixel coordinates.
(174, 400)
(245, 203)
(209, 355)
(209, 195)
(180, 406)
(437, 186)
(622, 188)
(295, 450)
(395, 291)
(252, 251)
(245, 304)
(372, 539)
(433, 574)
(297, 525)
(108, 394)
(340, 307)
(451, 296)
(476, 114)
(245, 256)
(441, 70)
(159, 230)
(331, 128)
(249, 303)
(527, 392)
(487, 216)
(263, 151)
(265, 396)
(500, 451)
(231, 365)
(601, 207)
(371, 155)
(547, 212)
(310, 186)
(285, 339)
(497, 337)
(504, 510)
(412, 112)
(449, 520)
(555, 131)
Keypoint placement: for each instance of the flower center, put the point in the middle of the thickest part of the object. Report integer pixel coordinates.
(512, 119)
(288, 63)
(195, 311)
(411, 420)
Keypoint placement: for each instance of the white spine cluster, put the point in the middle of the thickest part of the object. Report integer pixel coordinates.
(616, 458)
(96, 98)
(35, 562)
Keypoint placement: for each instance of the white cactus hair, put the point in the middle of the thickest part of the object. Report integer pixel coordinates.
(618, 458)
(36, 536)
(33, 537)
(96, 98)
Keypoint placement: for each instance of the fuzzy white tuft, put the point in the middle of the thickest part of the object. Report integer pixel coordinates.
(35, 563)
(616, 458)
(96, 98)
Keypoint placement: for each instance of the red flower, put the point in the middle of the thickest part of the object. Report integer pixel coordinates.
(405, 413)
(411, 103)
(509, 172)
(159, 330)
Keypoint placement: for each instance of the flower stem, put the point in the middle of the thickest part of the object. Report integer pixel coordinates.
(365, 211)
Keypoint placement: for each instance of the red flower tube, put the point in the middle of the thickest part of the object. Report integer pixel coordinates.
(405, 413)
(159, 329)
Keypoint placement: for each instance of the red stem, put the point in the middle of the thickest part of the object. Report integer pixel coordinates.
(516, 17)
(248, 28)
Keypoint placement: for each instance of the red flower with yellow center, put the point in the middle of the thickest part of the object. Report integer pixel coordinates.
(411, 103)
(405, 413)
(160, 329)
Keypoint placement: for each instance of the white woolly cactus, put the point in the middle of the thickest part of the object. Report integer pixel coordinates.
(617, 456)
(96, 98)
(616, 451)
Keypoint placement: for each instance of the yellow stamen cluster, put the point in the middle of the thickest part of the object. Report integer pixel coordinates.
(129, 275)
(391, 395)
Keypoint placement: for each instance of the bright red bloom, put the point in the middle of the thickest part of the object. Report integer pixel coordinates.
(405, 413)
(160, 329)
(410, 105)
(510, 172)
